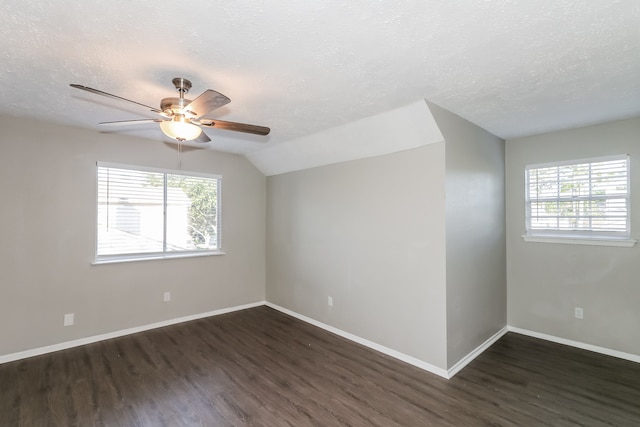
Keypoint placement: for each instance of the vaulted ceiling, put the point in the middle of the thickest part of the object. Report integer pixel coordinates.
(513, 67)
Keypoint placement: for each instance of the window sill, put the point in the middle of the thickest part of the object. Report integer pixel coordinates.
(116, 260)
(599, 241)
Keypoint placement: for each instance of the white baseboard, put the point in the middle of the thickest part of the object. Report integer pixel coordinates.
(475, 353)
(577, 344)
(88, 340)
(385, 350)
(448, 374)
(382, 349)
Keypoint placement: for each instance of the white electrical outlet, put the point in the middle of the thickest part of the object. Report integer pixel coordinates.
(68, 319)
(330, 301)
(167, 296)
(579, 313)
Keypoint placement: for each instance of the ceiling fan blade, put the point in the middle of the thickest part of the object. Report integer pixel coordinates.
(238, 127)
(99, 92)
(131, 122)
(208, 101)
(203, 138)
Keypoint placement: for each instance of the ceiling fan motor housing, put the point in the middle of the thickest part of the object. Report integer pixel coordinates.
(172, 106)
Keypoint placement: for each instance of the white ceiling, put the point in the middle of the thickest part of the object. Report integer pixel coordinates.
(513, 67)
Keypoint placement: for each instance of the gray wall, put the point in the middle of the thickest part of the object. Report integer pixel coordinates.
(407, 268)
(475, 225)
(47, 227)
(546, 281)
(370, 234)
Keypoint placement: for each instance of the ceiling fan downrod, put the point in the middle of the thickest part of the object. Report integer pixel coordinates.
(182, 85)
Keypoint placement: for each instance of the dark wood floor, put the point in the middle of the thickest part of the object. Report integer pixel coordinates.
(262, 368)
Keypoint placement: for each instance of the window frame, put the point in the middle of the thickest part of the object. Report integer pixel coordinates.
(164, 254)
(587, 237)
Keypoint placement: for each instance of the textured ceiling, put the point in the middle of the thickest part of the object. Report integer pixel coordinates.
(514, 67)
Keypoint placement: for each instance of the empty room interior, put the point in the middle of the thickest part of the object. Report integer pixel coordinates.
(343, 213)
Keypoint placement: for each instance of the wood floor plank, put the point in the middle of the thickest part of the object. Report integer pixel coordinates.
(259, 367)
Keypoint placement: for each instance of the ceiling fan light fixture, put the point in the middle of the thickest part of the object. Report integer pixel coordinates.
(180, 129)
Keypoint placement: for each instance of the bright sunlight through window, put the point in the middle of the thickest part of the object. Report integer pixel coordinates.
(584, 199)
(148, 213)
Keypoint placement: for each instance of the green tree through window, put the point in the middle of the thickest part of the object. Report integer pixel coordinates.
(203, 195)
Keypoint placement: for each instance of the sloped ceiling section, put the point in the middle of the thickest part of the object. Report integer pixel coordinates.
(401, 129)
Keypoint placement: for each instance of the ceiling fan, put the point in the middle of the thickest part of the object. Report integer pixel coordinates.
(182, 118)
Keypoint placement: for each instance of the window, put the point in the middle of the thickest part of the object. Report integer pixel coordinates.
(148, 213)
(586, 199)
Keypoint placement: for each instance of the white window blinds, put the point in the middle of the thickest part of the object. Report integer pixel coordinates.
(586, 198)
(151, 213)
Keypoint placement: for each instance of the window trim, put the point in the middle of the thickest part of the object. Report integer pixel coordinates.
(583, 237)
(589, 241)
(150, 256)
